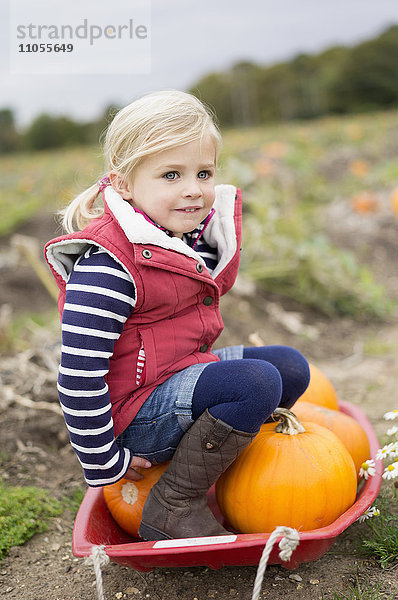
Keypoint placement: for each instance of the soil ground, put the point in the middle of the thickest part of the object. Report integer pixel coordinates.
(360, 359)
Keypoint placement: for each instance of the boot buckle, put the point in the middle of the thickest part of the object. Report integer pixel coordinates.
(217, 435)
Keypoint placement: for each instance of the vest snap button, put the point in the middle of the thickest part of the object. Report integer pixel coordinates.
(208, 300)
(147, 253)
(209, 446)
(203, 348)
(199, 268)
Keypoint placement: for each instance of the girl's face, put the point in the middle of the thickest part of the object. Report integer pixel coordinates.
(175, 187)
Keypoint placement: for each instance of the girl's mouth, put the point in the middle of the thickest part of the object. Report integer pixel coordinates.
(189, 209)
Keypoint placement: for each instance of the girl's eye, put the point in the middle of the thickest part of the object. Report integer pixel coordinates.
(171, 175)
(204, 174)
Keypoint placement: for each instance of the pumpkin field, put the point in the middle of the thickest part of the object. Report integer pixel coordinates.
(319, 272)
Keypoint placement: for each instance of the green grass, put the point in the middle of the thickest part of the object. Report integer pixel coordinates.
(313, 272)
(73, 499)
(24, 511)
(380, 534)
(289, 173)
(16, 332)
(45, 180)
(383, 543)
(361, 592)
(374, 346)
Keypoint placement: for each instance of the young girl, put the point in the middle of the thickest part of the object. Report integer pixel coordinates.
(140, 277)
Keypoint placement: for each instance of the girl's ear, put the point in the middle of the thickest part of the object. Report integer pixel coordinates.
(120, 185)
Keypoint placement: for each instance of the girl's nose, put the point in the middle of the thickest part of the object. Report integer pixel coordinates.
(192, 189)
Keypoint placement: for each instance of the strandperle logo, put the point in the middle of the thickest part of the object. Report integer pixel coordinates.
(84, 31)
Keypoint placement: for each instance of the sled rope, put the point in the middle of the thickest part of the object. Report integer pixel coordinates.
(98, 558)
(288, 544)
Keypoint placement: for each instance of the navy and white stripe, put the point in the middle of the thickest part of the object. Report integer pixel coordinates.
(195, 240)
(100, 296)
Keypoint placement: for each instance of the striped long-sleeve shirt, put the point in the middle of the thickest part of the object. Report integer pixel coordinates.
(100, 296)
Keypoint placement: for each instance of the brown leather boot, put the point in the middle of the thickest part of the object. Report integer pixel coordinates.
(176, 506)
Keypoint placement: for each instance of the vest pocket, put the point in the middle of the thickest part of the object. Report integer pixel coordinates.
(147, 354)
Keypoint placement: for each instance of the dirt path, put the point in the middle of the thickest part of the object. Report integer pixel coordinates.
(361, 360)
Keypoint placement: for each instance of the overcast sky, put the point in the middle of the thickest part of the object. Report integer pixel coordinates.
(189, 39)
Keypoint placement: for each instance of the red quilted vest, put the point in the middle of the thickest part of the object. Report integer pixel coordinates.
(176, 318)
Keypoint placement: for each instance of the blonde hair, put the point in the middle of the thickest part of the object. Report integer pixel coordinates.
(156, 122)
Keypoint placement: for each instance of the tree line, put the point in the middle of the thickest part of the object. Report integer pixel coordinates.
(339, 80)
(47, 131)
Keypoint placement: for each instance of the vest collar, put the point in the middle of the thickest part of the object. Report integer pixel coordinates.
(220, 232)
(139, 230)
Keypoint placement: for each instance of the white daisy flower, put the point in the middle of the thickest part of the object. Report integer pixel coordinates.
(368, 469)
(391, 471)
(387, 451)
(394, 450)
(392, 431)
(370, 512)
(390, 416)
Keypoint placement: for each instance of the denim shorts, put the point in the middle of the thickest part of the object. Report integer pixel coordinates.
(166, 415)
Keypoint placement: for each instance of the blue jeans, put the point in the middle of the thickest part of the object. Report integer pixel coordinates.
(166, 415)
(243, 393)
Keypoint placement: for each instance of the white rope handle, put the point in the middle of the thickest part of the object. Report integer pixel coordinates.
(288, 544)
(98, 558)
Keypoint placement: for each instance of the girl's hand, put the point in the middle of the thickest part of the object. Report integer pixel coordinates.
(137, 461)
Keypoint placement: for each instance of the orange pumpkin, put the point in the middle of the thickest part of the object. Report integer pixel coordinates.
(125, 499)
(360, 168)
(320, 390)
(365, 202)
(349, 431)
(296, 475)
(394, 201)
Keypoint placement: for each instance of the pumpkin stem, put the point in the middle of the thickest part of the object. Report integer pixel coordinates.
(288, 422)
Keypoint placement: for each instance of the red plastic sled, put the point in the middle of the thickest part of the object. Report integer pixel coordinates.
(94, 525)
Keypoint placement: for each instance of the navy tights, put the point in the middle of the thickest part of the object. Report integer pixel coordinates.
(245, 392)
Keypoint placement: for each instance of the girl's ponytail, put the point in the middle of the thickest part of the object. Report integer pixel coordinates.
(82, 210)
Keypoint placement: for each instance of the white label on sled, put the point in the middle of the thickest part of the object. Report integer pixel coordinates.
(203, 541)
